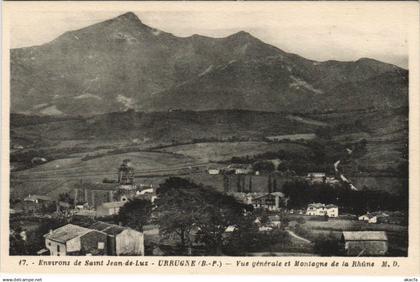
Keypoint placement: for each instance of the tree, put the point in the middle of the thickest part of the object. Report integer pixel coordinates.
(176, 183)
(182, 205)
(219, 211)
(244, 238)
(264, 166)
(178, 211)
(135, 213)
(65, 197)
(328, 245)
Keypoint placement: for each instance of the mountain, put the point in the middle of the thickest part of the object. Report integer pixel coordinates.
(122, 64)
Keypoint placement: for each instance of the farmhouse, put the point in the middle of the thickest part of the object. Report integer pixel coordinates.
(121, 240)
(241, 168)
(213, 171)
(365, 243)
(147, 194)
(316, 177)
(274, 221)
(109, 208)
(37, 199)
(35, 203)
(319, 209)
(269, 201)
(370, 218)
(75, 240)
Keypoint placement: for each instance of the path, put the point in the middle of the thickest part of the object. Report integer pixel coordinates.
(342, 177)
(293, 234)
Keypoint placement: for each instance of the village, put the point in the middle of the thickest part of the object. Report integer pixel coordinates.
(90, 220)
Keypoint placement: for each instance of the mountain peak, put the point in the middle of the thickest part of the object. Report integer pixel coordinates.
(129, 16)
(243, 34)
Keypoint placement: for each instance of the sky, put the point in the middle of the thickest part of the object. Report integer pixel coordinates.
(318, 32)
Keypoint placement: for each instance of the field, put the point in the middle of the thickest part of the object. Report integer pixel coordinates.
(61, 175)
(222, 151)
(186, 143)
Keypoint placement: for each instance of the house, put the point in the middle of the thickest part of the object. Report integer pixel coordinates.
(316, 177)
(109, 208)
(369, 217)
(121, 240)
(75, 240)
(230, 229)
(35, 203)
(213, 171)
(332, 210)
(37, 199)
(269, 201)
(264, 228)
(365, 243)
(318, 209)
(147, 194)
(240, 168)
(274, 220)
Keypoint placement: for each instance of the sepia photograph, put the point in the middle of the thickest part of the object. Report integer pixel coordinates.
(189, 131)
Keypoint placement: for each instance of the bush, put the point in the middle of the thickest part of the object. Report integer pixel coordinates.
(328, 246)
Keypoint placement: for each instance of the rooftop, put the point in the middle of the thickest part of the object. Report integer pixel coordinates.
(108, 228)
(66, 233)
(37, 197)
(111, 205)
(320, 205)
(365, 236)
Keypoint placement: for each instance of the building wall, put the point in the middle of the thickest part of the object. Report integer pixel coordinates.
(317, 212)
(104, 211)
(332, 212)
(369, 248)
(90, 243)
(73, 245)
(247, 183)
(52, 247)
(129, 242)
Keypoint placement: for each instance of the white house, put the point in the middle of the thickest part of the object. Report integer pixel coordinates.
(369, 218)
(214, 171)
(75, 240)
(241, 168)
(109, 208)
(318, 209)
(332, 210)
(316, 175)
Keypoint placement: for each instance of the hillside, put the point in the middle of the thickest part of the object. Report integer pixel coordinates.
(122, 64)
(156, 127)
(162, 143)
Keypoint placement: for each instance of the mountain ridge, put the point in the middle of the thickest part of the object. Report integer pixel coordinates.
(122, 63)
